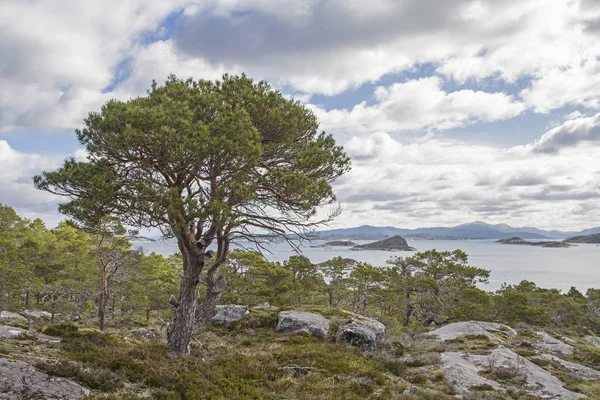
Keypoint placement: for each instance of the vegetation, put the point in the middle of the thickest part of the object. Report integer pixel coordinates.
(205, 162)
(60, 270)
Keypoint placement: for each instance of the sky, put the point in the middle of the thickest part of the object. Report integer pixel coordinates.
(451, 111)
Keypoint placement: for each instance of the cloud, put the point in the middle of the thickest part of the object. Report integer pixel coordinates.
(16, 172)
(421, 104)
(58, 57)
(442, 182)
(572, 133)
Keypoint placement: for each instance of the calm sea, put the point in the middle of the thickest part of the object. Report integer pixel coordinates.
(558, 268)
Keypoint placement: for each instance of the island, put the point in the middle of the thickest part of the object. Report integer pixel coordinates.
(337, 243)
(139, 239)
(394, 243)
(594, 238)
(521, 241)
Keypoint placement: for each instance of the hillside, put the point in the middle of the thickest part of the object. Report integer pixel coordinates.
(593, 238)
(395, 243)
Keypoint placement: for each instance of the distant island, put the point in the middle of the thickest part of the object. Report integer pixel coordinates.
(593, 238)
(521, 241)
(395, 243)
(337, 243)
(429, 236)
(139, 239)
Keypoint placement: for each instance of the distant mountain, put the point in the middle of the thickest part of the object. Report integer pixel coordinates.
(473, 230)
(593, 238)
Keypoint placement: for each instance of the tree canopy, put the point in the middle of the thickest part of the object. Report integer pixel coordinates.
(204, 162)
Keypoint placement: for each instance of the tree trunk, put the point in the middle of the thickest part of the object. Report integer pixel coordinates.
(179, 333)
(215, 285)
(409, 309)
(103, 298)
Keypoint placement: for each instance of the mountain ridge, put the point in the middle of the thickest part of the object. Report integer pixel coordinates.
(471, 230)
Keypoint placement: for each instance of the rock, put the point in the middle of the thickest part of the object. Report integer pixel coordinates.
(363, 333)
(8, 314)
(568, 340)
(581, 371)
(490, 329)
(593, 340)
(549, 344)
(526, 343)
(142, 333)
(464, 368)
(299, 321)
(228, 314)
(412, 390)
(462, 374)
(34, 314)
(389, 244)
(19, 381)
(9, 332)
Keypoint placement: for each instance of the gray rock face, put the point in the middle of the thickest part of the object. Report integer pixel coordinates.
(462, 374)
(581, 371)
(593, 340)
(299, 321)
(489, 329)
(19, 381)
(551, 345)
(538, 382)
(227, 314)
(8, 314)
(142, 333)
(8, 332)
(363, 333)
(34, 314)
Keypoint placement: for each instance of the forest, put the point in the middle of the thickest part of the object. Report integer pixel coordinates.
(98, 276)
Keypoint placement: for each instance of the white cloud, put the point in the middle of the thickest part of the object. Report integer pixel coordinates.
(16, 172)
(573, 133)
(57, 56)
(441, 182)
(419, 104)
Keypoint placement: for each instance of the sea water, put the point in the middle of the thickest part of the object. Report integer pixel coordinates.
(558, 268)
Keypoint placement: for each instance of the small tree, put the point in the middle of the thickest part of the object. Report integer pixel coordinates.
(204, 162)
(335, 273)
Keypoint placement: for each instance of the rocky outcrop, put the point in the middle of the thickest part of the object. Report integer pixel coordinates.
(364, 333)
(142, 333)
(228, 314)
(9, 332)
(462, 374)
(292, 322)
(395, 243)
(19, 381)
(34, 314)
(580, 371)
(551, 345)
(492, 330)
(12, 315)
(593, 340)
(464, 370)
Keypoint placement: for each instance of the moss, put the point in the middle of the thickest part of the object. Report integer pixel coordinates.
(482, 387)
(362, 389)
(60, 330)
(98, 379)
